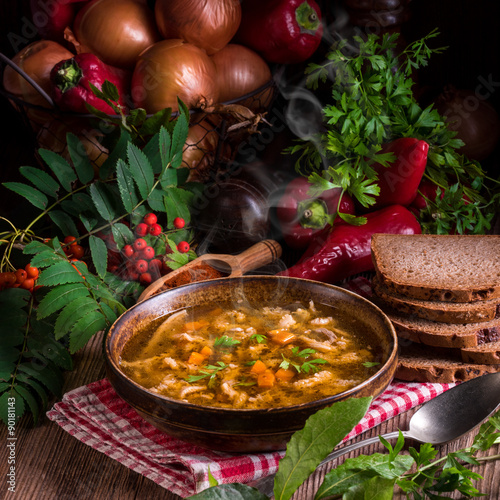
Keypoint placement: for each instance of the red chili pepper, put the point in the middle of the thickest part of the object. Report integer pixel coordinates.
(399, 182)
(71, 78)
(346, 250)
(301, 216)
(282, 31)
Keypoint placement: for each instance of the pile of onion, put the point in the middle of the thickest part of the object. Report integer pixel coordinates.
(173, 69)
(240, 71)
(209, 24)
(474, 119)
(116, 31)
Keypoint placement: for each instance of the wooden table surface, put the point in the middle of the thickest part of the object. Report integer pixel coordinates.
(51, 464)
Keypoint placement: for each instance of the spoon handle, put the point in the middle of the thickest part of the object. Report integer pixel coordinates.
(266, 485)
(262, 253)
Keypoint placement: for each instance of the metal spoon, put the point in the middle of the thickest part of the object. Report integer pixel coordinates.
(446, 417)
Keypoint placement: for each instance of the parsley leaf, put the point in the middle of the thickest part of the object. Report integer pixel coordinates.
(225, 341)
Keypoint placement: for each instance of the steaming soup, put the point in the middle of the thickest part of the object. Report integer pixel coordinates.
(249, 357)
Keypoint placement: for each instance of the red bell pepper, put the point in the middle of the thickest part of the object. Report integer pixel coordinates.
(346, 250)
(301, 216)
(400, 180)
(70, 81)
(282, 31)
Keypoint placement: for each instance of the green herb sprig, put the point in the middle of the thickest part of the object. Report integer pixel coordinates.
(371, 102)
(226, 341)
(307, 366)
(209, 371)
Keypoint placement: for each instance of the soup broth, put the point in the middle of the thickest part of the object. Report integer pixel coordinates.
(250, 357)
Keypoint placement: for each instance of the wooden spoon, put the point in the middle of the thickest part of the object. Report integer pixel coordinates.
(260, 254)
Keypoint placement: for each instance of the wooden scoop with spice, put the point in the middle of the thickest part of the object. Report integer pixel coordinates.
(211, 266)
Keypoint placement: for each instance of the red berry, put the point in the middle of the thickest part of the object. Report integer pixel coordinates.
(155, 265)
(179, 222)
(150, 219)
(148, 253)
(31, 271)
(155, 229)
(140, 244)
(141, 229)
(141, 266)
(128, 251)
(21, 275)
(28, 284)
(145, 278)
(76, 251)
(183, 247)
(70, 240)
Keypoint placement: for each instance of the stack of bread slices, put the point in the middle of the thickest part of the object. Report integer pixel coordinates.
(442, 294)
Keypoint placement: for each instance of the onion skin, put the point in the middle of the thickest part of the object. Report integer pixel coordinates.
(116, 31)
(240, 70)
(173, 69)
(208, 24)
(476, 122)
(36, 60)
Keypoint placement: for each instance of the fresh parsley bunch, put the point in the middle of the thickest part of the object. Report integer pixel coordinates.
(371, 102)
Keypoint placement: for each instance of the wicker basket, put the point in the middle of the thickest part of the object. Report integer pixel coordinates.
(220, 129)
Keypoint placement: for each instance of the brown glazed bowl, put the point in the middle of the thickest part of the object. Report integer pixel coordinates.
(240, 430)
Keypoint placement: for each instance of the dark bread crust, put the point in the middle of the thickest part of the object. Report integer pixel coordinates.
(442, 312)
(420, 364)
(389, 251)
(487, 354)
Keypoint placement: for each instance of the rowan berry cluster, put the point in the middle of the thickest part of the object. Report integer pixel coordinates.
(20, 278)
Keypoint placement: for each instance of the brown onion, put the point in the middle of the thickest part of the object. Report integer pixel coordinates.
(474, 119)
(173, 69)
(36, 60)
(209, 24)
(240, 71)
(116, 31)
(201, 149)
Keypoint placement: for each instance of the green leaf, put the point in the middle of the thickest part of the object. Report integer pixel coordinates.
(61, 168)
(307, 447)
(23, 393)
(58, 297)
(59, 273)
(103, 200)
(47, 374)
(99, 254)
(42, 180)
(40, 390)
(119, 151)
(122, 235)
(34, 196)
(63, 222)
(177, 201)
(45, 348)
(179, 137)
(80, 159)
(126, 186)
(230, 492)
(141, 170)
(8, 354)
(6, 370)
(71, 313)
(165, 143)
(85, 329)
(11, 409)
(46, 258)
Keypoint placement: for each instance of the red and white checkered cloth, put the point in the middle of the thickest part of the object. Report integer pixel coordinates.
(98, 417)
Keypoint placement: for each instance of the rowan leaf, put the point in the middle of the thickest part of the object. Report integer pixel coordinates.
(34, 196)
(71, 313)
(61, 168)
(59, 273)
(63, 222)
(42, 180)
(179, 137)
(99, 254)
(11, 407)
(103, 200)
(122, 235)
(39, 389)
(141, 170)
(126, 186)
(84, 329)
(25, 394)
(48, 374)
(58, 297)
(80, 159)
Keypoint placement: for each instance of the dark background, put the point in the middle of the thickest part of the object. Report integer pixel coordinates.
(469, 28)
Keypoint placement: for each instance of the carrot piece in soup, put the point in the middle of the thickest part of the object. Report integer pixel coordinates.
(258, 367)
(284, 375)
(266, 379)
(195, 325)
(281, 337)
(206, 351)
(196, 358)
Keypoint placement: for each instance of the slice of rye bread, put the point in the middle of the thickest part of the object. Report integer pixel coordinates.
(419, 363)
(486, 354)
(449, 335)
(440, 311)
(452, 268)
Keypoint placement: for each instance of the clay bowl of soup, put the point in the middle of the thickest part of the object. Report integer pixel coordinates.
(239, 364)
